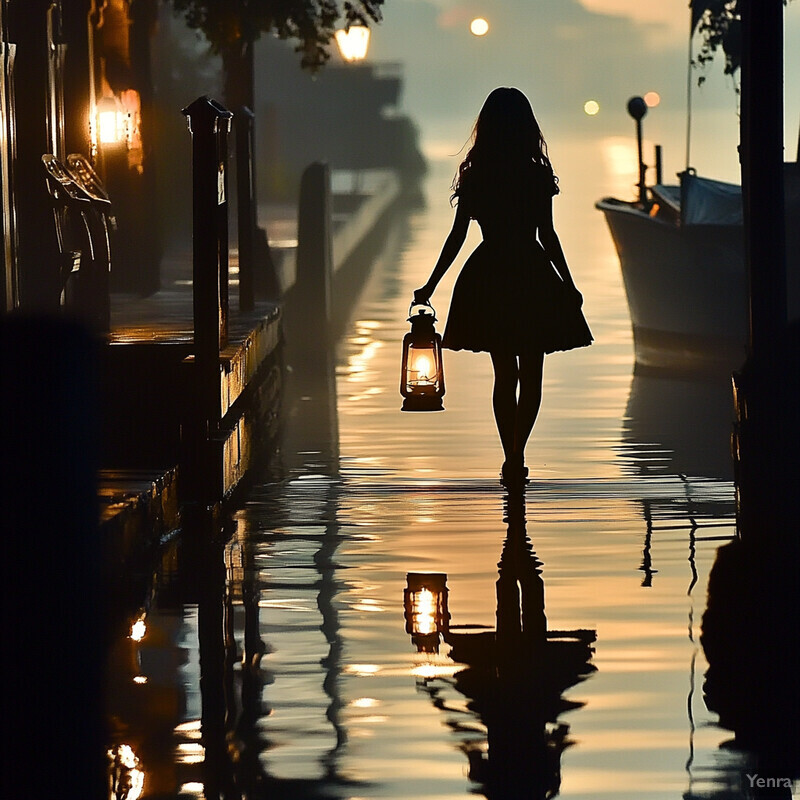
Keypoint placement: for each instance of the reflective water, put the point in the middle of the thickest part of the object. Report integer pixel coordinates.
(279, 665)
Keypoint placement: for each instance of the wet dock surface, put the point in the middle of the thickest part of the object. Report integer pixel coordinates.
(276, 660)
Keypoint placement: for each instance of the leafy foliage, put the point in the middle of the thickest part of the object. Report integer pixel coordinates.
(234, 24)
(719, 23)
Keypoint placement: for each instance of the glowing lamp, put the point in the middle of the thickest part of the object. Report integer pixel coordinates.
(422, 373)
(425, 607)
(353, 42)
(113, 122)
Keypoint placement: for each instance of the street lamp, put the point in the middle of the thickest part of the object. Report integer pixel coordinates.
(353, 42)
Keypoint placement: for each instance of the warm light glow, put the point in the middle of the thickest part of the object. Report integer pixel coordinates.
(126, 759)
(353, 42)
(140, 679)
(190, 753)
(422, 366)
(126, 756)
(362, 670)
(364, 702)
(422, 369)
(591, 107)
(479, 26)
(652, 99)
(436, 670)
(191, 725)
(112, 126)
(138, 630)
(424, 612)
(619, 160)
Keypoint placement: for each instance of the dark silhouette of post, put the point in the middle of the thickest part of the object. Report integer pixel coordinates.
(659, 165)
(762, 171)
(766, 463)
(314, 258)
(209, 123)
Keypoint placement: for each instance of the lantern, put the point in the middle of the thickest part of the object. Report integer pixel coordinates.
(426, 612)
(422, 375)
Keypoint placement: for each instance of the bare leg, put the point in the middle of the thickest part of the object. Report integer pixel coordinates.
(530, 399)
(504, 399)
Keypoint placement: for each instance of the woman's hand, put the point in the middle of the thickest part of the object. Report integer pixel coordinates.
(422, 295)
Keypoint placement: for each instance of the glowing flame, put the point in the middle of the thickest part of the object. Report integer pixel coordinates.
(422, 366)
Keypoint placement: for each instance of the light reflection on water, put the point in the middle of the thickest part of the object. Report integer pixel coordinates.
(624, 521)
(621, 555)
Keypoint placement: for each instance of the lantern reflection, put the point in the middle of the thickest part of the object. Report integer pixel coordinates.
(426, 612)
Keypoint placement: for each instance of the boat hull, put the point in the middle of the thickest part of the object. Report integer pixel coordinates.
(686, 289)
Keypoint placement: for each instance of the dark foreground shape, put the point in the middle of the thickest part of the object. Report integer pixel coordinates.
(54, 628)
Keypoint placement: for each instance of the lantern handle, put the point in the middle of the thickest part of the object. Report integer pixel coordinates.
(421, 306)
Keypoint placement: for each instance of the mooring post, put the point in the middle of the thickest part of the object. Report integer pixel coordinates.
(314, 258)
(762, 172)
(209, 123)
(766, 400)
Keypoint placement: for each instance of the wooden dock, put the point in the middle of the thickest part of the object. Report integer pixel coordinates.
(150, 383)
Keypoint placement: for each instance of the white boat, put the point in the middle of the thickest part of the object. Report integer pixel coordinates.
(681, 252)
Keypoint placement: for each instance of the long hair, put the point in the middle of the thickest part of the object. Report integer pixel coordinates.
(506, 134)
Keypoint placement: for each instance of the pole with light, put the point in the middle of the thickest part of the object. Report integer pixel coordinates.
(637, 108)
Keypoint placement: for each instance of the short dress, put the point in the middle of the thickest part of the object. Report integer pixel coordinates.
(509, 298)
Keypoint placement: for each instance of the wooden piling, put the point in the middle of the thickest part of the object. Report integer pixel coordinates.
(209, 123)
(314, 258)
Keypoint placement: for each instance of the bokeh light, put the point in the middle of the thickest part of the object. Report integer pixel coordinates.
(479, 26)
(652, 99)
(591, 107)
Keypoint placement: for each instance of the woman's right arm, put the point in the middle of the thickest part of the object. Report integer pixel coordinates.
(452, 244)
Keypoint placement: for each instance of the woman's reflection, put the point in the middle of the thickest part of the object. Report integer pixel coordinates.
(515, 677)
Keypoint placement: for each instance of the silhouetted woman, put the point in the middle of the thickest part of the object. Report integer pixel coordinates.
(515, 297)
